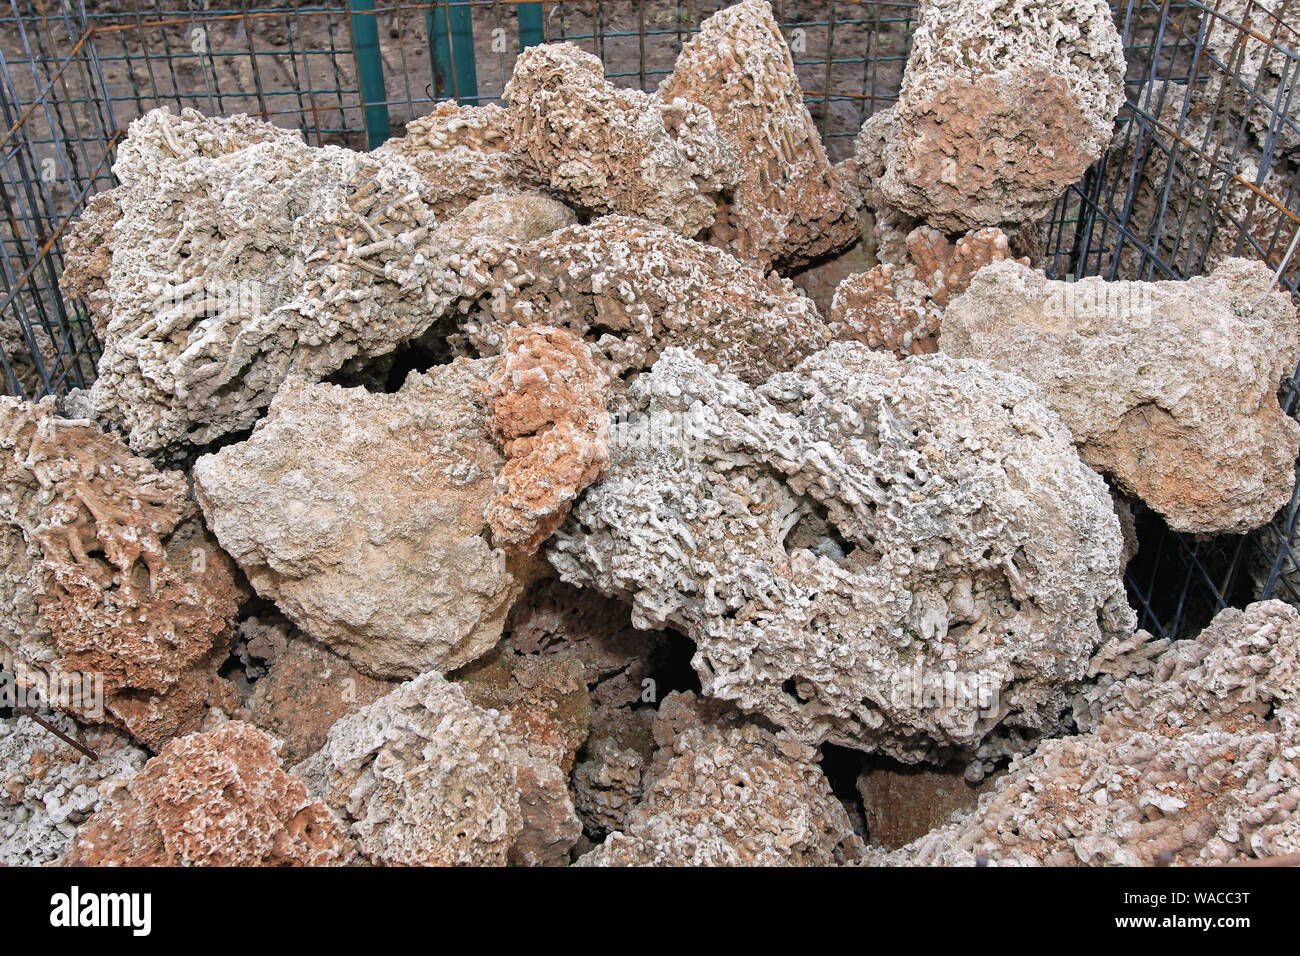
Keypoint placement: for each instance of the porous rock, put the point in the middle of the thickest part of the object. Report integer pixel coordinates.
(47, 788)
(1169, 387)
(616, 150)
(725, 792)
(110, 575)
(1004, 105)
(547, 401)
(632, 289)
(1191, 760)
(902, 803)
(789, 205)
(218, 798)
(243, 256)
(904, 556)
(422, 777)
(361, 516)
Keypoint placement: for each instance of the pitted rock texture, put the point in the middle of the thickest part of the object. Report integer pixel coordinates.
(88, 258)
(901, 804)
(1004, 104)
(304, 693)
(361, 516)
(1191, 763)
(109, 571)
(549, 713)
(422, 777)
(632, 289)
(615, 150)
(606, 779)
(462, 153)
(889, 225)
(1269, 101)
(548, 413)
(556, 619)
(730, 793)
(901, 310)
(243, 256)
(218, 798)
(1169, 387)
(857, 539)
(789, 206)
(47, 788)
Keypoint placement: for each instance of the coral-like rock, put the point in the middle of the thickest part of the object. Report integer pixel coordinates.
(1170, 387)
(547, 402)
(856, 539)
(1190, 762)
(545, 699)
(904, 803)
(616, 150)
(901, 309)
(727, 793)
(243, 256)
(422, 777)
(218, 798)
(111, 573)
(557, 619)
(790, 206)
(820, 281)
(305, 692)
(462, 153)
(633, 288)
(606, 779)
(88, 258)
(361, 516)
(47, 789)
(1004, 104)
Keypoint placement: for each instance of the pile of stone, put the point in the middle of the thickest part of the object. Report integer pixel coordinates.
(496, 497)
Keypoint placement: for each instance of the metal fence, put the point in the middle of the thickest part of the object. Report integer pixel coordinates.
(1205, 162)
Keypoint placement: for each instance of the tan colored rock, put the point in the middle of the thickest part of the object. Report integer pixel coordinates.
(789, 206)
(820, 281)
(111, 573)
(1169, 387)
(305, 692)
(422, 777)
(549, 712)
(361, 516)
(547, 400)
(632, 289)
(557, 619)
(901, 310)
(616, 150)
(729, 793)
(462, 153)
(218, 798)
(88, 258)
(606, 779)
(1004, 105)
(1190, 760)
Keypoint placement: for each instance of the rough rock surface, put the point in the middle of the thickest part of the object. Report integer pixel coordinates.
(557, 619)
(901, 309)
(633, 288)
(616, 150)
(730, 793)
(305, 692)
(1170, 387)
(549, 712)
(462, 153)
(819, 282)
(88, 258)
(1004, 104)
(422, 777)
(1190, 761)
(109, 571)
(547, 400)
(218, 798)
(361, 516)
(243, 256)
(790, 206)
(856, 538)
(47, 788)
(903, 803)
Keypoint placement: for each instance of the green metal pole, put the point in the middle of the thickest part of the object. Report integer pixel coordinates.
(451, 47)
(530, 25)
(370, 70)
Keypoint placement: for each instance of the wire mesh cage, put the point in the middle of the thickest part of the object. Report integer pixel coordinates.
(1205, 161)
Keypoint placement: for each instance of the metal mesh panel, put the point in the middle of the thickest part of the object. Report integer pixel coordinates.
(1205, 162)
